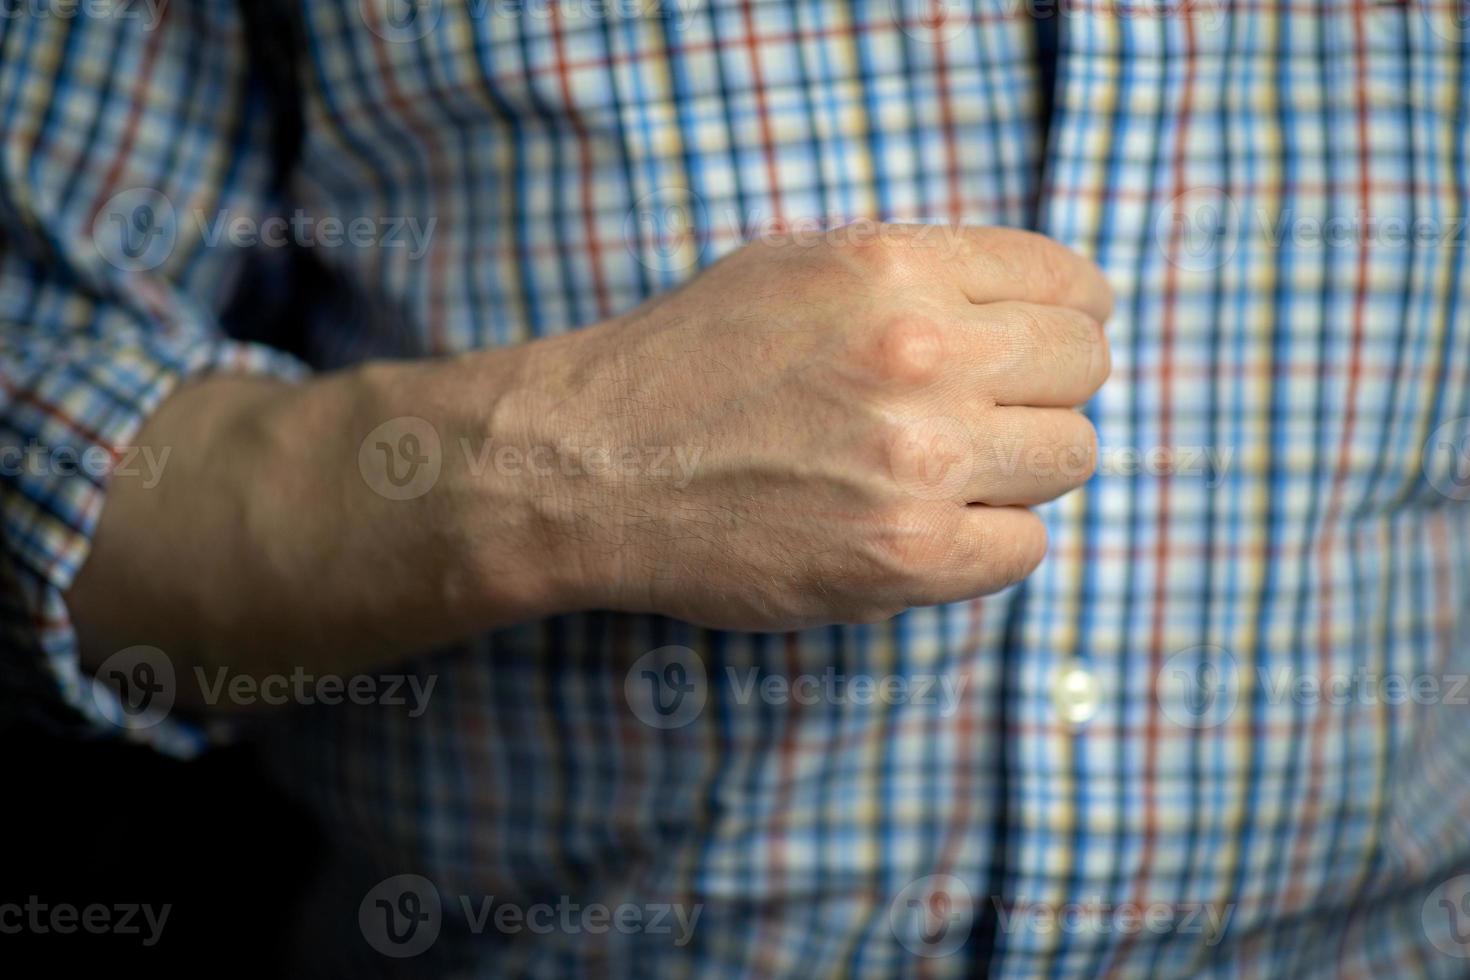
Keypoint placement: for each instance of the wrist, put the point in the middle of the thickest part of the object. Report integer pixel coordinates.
(500, 525)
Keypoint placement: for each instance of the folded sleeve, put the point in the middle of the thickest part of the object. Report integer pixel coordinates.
(133, 152)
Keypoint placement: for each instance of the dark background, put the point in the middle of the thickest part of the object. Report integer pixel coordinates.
(100, 821)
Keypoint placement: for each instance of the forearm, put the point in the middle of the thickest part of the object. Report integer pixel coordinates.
(805, 394)
(266, 545)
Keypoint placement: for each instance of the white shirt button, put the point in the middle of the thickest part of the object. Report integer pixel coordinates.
(1077, 694)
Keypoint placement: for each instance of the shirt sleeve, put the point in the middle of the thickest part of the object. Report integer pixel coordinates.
(133, 151)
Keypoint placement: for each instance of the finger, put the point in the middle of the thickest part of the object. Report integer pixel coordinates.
(1031, 455)
(994, 264)
(1040, 356)
(990, 548)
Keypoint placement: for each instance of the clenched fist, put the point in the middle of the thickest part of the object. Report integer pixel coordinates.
(869, 417)
(809, 432)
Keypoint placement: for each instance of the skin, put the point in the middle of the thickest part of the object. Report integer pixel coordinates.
(869, 415)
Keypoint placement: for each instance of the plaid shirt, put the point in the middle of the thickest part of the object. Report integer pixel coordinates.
(1277, 189)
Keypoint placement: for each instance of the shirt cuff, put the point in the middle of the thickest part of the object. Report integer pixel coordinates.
(72, 411)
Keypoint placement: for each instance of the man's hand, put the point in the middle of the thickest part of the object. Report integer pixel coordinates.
(861, 420)
(806, 433)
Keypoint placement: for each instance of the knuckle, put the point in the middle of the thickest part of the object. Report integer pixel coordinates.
(1109, 296)
(892, 546)
(882, 435)
(1022, 335)
(1086, 335)
(1048, 272)
(984, 251)
(906, 348)
(1013, 554)
(1025, 259)
(906, 544)
(1089, 438)
(866, 435)
(931, 458)
(1043, 262)
(1068, 457)
(879, 259)
(1026, 322)
(1024, 551)
(1083, 452)
(1030, 546)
